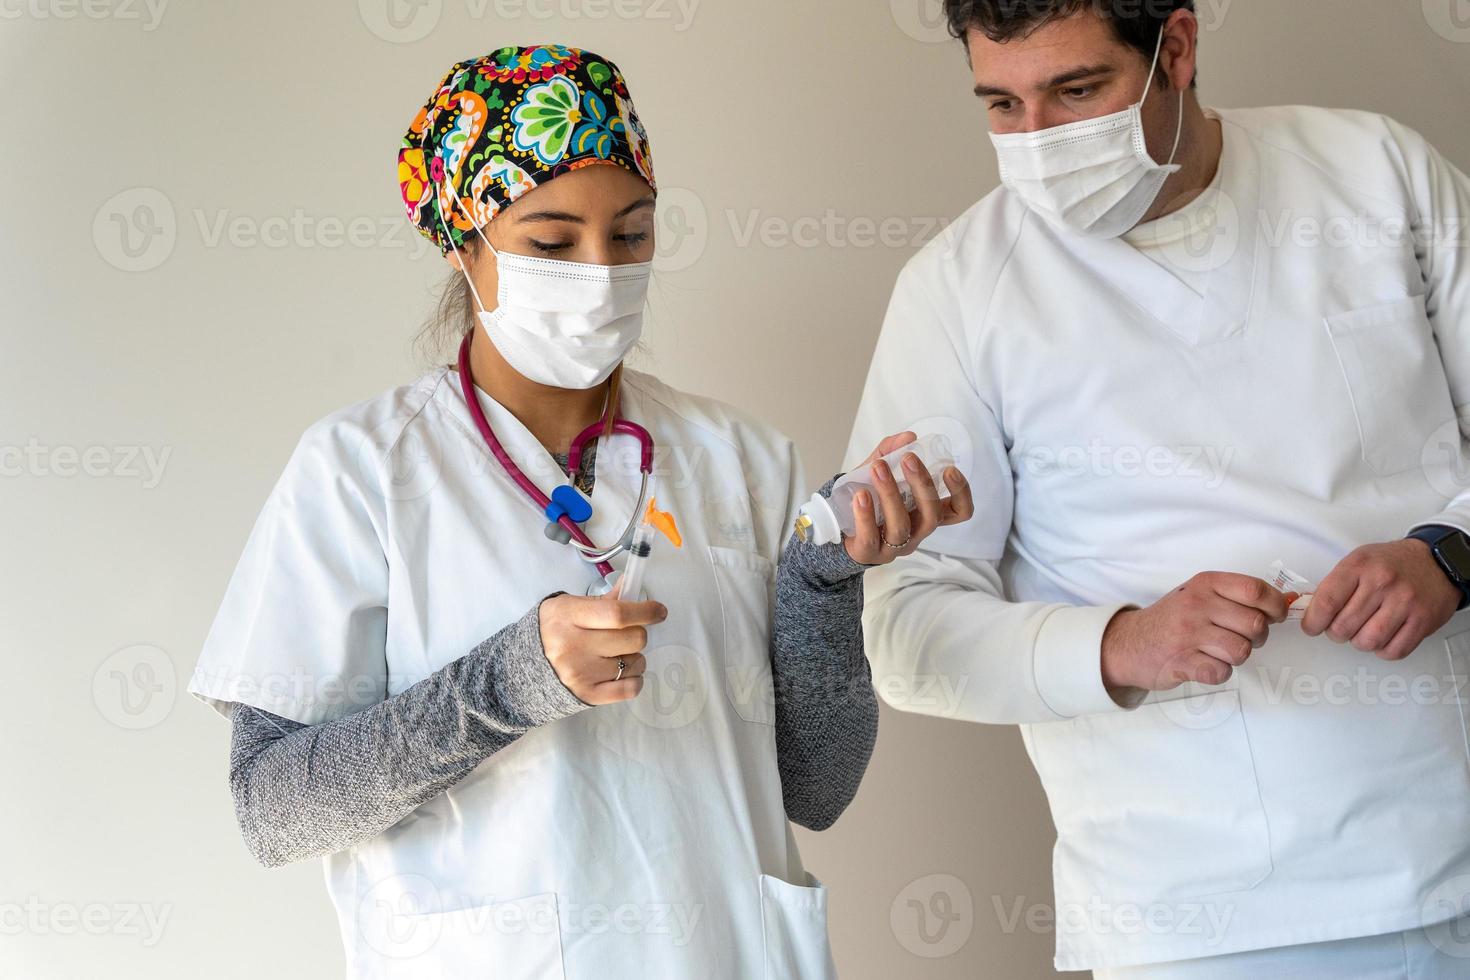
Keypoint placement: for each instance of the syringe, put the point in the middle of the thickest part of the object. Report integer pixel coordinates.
(640, 546)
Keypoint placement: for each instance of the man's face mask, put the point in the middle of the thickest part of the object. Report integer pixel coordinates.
(1093, 178)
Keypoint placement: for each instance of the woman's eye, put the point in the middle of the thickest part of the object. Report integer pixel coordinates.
(546, 248)
(633, 238)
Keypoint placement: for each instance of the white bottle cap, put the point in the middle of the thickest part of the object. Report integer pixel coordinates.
(817, 522)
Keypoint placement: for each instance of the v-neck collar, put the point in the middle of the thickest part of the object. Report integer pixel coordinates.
(1225, 305)
(615, 490)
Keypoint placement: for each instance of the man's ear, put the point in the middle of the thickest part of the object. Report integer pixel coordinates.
(1181, 48)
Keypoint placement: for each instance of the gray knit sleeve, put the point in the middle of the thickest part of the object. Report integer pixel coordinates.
(302, 791)
(826, 708)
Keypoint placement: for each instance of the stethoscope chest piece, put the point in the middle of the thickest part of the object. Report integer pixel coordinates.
(600, 586)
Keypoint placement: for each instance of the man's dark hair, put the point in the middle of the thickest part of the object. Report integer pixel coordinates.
(1137, 23)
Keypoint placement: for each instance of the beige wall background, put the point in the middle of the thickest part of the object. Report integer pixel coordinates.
(203, 252)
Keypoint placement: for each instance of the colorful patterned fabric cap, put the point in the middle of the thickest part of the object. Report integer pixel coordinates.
(500, 125)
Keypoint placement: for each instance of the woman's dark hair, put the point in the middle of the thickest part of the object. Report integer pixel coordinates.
(454, 316)
(1137, 23)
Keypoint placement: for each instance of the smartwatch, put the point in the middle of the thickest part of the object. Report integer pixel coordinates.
(1451, 549)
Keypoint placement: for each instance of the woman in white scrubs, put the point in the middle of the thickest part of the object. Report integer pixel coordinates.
(505, 775)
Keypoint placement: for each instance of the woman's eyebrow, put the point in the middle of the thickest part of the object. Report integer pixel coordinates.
(642, 202)
(533, 216)
(577, 219)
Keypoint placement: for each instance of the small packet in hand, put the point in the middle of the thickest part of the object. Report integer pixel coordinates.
(1285, 580)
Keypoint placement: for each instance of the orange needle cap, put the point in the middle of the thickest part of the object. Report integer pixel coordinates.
(664, 521)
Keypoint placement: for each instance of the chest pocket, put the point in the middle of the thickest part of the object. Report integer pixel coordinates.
(1395, 378)
(747, 586)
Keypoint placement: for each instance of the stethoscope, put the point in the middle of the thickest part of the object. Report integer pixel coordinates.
(566, 509)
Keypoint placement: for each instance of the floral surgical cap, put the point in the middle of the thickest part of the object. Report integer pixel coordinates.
(499, 125)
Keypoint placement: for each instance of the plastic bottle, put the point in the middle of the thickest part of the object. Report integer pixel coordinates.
(824, 521)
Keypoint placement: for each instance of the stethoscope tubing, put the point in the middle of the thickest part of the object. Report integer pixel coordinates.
(579, 539)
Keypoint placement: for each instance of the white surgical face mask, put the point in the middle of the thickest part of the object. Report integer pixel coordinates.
(566, 324)
(1093, 178)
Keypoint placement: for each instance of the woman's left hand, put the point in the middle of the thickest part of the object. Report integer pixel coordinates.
(903, 530)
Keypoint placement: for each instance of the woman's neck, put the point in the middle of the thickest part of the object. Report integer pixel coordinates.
(555, 416)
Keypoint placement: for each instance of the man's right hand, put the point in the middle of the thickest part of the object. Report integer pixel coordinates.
(1199, 632)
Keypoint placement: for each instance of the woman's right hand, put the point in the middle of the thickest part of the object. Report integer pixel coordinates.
(584, 638)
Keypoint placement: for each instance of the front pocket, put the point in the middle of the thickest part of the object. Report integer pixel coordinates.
(1395, 379)
(1158, 804)
(794, 930)
(747, 585)
(518, 939)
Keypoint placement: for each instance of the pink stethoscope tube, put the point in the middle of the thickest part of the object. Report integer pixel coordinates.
(574, 453)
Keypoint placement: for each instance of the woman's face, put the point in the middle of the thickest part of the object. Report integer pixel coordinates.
(600, 214)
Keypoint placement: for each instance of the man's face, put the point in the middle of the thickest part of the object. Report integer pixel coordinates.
(1070, 69)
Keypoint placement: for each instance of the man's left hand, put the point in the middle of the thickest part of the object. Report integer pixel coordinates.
(1384, 599)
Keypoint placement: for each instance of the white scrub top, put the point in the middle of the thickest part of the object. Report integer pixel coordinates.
(1124, 432)
(643, 839)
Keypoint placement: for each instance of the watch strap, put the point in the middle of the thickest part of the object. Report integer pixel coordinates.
(1434, 535)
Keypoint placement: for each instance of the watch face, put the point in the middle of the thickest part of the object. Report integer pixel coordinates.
(1455, 550)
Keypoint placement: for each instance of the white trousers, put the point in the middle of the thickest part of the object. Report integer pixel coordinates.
(1438, 952)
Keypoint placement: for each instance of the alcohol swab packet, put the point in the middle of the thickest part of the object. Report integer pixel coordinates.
(1285, 580)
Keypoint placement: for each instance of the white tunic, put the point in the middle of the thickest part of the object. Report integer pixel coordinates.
(1123, 433)
(644, 839)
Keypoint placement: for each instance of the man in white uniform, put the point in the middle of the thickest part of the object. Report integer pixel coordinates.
(1178, 346)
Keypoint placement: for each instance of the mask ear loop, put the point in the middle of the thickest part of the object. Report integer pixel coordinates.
(1178, 131)
(1152, 69)
(464, 270)
(493, 250)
